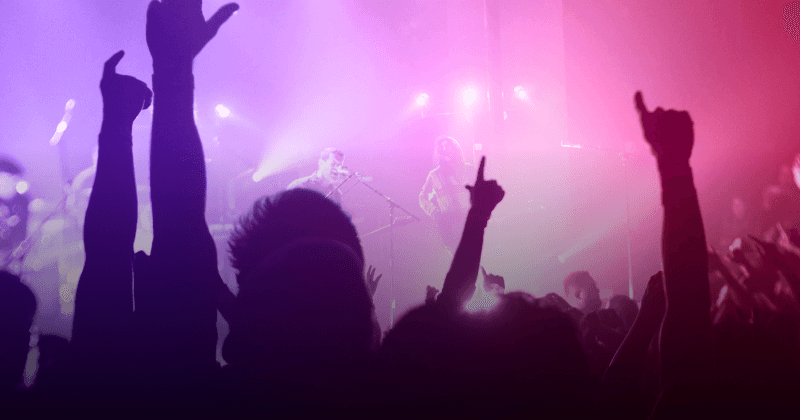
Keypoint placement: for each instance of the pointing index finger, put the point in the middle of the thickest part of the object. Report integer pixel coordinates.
(111, 63)
(480, 169)
(640, 106)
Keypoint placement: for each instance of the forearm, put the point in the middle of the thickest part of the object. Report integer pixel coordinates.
(625, 371)
(110, 224)
(463, 271)
(687, 320)
(104, 298)
(179, 301)
(177, 163)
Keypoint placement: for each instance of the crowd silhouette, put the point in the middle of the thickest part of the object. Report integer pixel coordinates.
(715, 333)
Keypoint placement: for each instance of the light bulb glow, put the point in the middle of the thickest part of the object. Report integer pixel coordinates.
(222, 111)
(470, 96)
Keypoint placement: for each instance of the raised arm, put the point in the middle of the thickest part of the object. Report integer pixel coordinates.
(622, 380)
(104, 298)
(687, 322)
(178, 299)
(460, 280)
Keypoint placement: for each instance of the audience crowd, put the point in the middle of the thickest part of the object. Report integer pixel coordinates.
(716, 333)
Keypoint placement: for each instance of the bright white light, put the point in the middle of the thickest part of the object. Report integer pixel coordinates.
(70, 105)
(470, 96)
(22, 187)
(481, 301)
(520, 93)
(259, 175)
(422, 99)
(222, 111)
(61, 127)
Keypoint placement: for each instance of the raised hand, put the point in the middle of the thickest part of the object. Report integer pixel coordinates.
(654, 302)
(123, 96)
(670, 133)
(430, 294)
(491, 281)
(372, 281)
(177, 31)
(485, 195)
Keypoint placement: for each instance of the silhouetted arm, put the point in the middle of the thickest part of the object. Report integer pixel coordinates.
(179, 298)
(687, 321)
(104, 298)
(460, 280)
(622, 380)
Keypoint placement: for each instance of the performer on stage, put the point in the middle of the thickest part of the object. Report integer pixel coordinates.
(329, 174)
(443, 196)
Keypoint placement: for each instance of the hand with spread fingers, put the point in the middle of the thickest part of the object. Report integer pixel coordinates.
(493, 281)
(670, 134)
(372, 281)
(124, 97)
(177, 31)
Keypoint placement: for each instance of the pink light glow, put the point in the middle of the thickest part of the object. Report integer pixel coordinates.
(422, 99)
(470, 96)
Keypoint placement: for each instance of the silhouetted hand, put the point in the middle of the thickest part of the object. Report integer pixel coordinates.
(491, 281)
(654, 302)
(485, 195)
(123, 96)
(372, 281)
(670, 133)
(430, 294)
(177, 31)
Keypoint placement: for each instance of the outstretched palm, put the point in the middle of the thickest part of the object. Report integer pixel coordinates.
(177, 31)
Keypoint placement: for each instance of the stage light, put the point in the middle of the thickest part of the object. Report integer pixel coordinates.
(22, 187)
(222, 111)
(520, 93)
(470, 96)
(259, 175)
(422, 99)
(70, 105)
(61, 127)
(481, 301)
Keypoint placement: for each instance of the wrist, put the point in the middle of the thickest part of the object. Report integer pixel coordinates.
(673, 168)
(175, 68)
(113, 125)
(479, 216)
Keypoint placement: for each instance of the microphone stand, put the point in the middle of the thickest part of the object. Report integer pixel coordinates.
(342, 183)
(392, 207)
(392, 221)
(625, 159)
